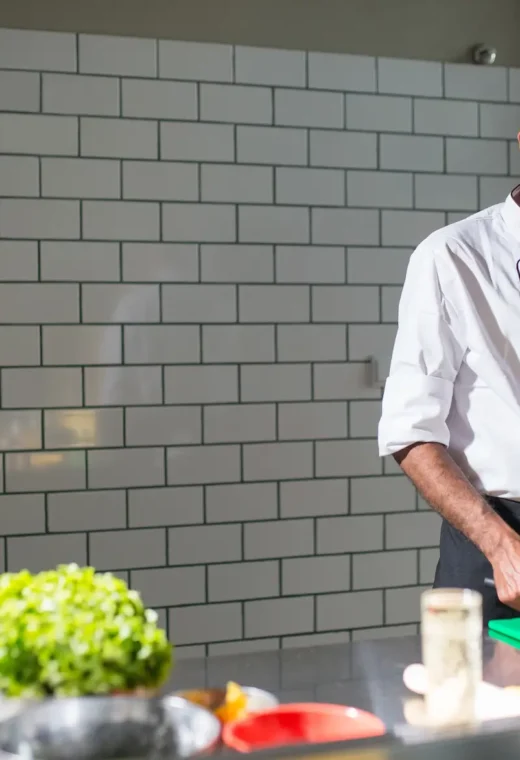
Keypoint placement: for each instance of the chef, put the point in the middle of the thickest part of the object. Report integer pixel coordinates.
(451, 406)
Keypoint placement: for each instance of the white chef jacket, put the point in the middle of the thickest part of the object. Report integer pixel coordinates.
(455, 371)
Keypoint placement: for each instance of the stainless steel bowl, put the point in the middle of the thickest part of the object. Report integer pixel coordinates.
(106, 728)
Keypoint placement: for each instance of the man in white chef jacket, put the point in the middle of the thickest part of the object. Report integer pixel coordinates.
(451, 406)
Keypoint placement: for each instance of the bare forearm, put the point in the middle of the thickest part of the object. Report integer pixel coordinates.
(445, 487)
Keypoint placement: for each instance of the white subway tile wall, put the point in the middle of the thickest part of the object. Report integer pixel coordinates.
(200, 247)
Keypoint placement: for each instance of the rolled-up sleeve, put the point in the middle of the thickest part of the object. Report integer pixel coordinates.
(427, 355)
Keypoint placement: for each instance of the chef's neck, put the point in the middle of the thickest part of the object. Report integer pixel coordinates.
(515, 195)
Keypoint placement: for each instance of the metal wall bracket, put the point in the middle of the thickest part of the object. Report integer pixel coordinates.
(374, 377)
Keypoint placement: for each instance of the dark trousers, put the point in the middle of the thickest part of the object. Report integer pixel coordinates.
(462, 565)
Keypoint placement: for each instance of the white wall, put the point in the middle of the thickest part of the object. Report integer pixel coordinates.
(196, 261)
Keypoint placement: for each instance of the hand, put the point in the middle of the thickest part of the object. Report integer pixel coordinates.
(506, 571)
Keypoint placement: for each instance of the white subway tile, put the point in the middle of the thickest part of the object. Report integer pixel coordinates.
(332, 226)
(377, 265)
(199, 303)
(393, 493)
(345, 303)
(83, 510)
(380, 189)
(315, 640)
(312, 420)
(410, 531)
(343, 381)
(74, 94)
(20, 218)
(514, 85)
(160, 262)
(80, 178)
(37, 553)
(195, 60)
(160, 181)
(310, 187)
(340, 535)
(401, 77)
(80, 344)
(346, 458)
(403, 605)
(299, 264)
(20, 430)
(204, 543)
(236, 263)
(445, 117)
(210, 622)
(311, 343)
(275, 382)
(241, 502)
(38, 303)
(246, 580)
(238, 343)
(476, 156)
(278, 461)
(237, 184)
(276, 224)
(412, 153)
(164, 506)
(343, 149)
(203, 464)
(111, 550)
(83, 428)
(428, 559)
(384, 569)
(370, 340)
(289, 538)
(119, 386)
(495, 189)
(35, 388)
(390, 467)
(162, 425)
(357, 610)
(170, 585)
(499, 120)
(251, 646)
(124, 56)
(315, 575)
(271, 145)
(124, 468)
(19, 176)
(475, 82)
(22, 514)
(277, 617)
(118, 138)
(297, 108)
(199, 222)
(44, 471)
(161, 344)
(331, 71)
(273, 303)
(309, 498)
(19, 90)
(79, 262)
(120, 220)
(388, 632)
(200, 385)
(409, 228)
(38, 134)
(237, 423)
(456, 216)
(364, 418)
(27, 49)
(20, 346)
(120, 303)
(197, 142)
(285, 68)
(379, 113)
(440, 191)
(236, 104)
(152, 99)
(18, 260)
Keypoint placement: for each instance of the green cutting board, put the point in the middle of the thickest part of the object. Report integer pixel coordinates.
(506, 630)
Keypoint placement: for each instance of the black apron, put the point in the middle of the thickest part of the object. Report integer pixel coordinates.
(462, 565)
